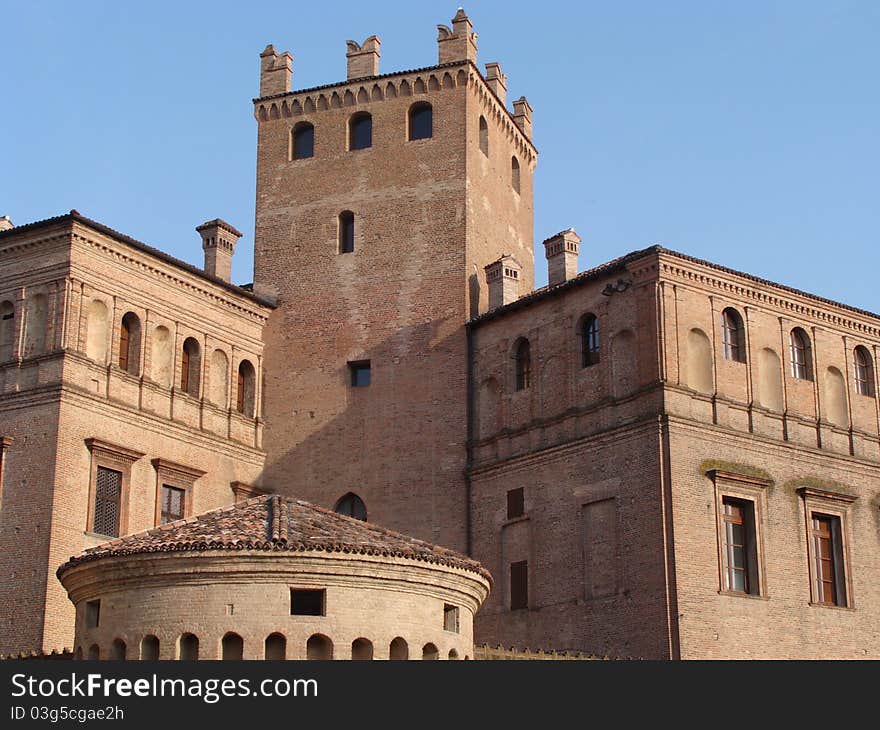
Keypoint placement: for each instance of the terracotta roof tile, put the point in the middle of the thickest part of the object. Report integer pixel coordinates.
(274, 522)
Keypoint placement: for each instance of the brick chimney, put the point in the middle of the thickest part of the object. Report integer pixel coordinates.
(5, 223)
(276, 71)
(363, 59)
(458, 44)
(562, 256)
(497, 81)
(522, 115)
(218, 242)
(502, 277)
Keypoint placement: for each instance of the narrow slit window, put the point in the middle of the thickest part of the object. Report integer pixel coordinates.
(519, 585)
(523, 361)
(514, 173)
(484, 136)
(590, 341)
(346, 232)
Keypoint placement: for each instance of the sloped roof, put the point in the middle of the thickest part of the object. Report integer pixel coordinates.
(276, 523)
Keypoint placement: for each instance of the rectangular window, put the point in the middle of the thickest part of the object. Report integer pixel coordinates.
(739, 548)
(829, 585)
(93, 613)
(307, 602)
(450, 618)
(519, 585)
(516, 506)
(360, 373)
(108, 496)
(173, 500)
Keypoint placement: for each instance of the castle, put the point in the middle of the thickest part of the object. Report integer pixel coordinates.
(656, 457)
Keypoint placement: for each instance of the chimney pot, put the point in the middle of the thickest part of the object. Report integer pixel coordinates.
(562, 256)
(218, 242)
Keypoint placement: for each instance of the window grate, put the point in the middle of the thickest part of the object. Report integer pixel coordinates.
(108, 493)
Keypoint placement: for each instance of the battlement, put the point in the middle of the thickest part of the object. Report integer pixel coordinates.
(365, 85)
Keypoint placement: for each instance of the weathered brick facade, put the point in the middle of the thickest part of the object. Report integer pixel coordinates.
(68, 407)
(633, 434)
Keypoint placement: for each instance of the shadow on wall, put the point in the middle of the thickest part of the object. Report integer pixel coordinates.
(388, 424)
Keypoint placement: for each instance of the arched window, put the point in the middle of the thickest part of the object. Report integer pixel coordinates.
(733, 335)
(801, 355)
(130, 344)
(302, 144)
(484, 136)
(514, 173)
(94, 652)
(190, 366)
(78, 654)
(276, 647)
(118, 650)
(150, 648)
(360, 131)
(247, 378)
(361, 649)
(453, 654)
(523, 360)
(429, 651)
(7, 330)
(36, 320)
(399, 649)
(188, 647)
(346, 231)
(319, 647)
(96, 332)
(421, 121)
(352, 506)
(160, 362)
(864, 371)
(232, 647)
(589, 340)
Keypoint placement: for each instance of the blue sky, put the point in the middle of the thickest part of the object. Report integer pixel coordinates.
(747, 133)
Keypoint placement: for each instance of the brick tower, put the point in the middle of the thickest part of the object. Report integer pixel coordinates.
(380, 201)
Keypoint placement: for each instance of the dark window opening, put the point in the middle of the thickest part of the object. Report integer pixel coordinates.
(516, 506)
(519, 585)
(360, 132)
(307, 602)
(514, 173)
(303, 141)
(352, 506)
(173, 501)
(346, 232)
(421, 121)
(108, 496)
(93, 614)
(360, 373)
(590, 341)
(484, 136)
